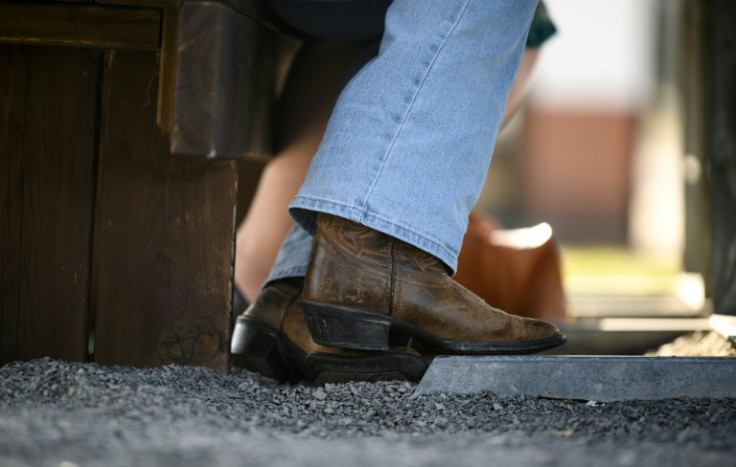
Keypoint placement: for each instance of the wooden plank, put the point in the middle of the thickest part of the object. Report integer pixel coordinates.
(13, 67)
(225, 83)
(135, 3)
(55, 182)
(722, 144)
(165, 233)
(79, 25)
(140, 3)
(167, 74)
(694, 90)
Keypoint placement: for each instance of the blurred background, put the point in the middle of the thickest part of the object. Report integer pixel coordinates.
(598, 152)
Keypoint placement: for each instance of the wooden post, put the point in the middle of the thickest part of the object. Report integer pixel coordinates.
(722, 142)
(48, 109)
(165, 230)
(102, 226)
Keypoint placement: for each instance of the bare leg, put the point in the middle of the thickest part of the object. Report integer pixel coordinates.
(314, 82)
(519, 88)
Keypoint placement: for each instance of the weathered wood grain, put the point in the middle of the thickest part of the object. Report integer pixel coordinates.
(79, 25)
(167, 69)
(165, 233)
(49, 112)
(137, 3)
(13, 70)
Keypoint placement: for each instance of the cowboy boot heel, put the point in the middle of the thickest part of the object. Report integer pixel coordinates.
(347, 328)
(255, 347)
(272, 338)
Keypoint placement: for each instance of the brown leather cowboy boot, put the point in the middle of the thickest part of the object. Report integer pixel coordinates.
(271, 338)
(367, 290)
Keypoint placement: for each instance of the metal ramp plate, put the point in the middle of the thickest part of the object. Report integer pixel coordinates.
(596, 378)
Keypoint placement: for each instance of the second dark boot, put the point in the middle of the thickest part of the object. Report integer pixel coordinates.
(271, 338)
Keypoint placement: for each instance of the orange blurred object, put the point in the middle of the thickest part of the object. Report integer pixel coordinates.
(516, 270)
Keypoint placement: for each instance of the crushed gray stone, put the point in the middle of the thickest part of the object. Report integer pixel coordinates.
(86, 414)
(696, 344)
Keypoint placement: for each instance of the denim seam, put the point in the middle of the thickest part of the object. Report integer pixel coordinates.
(400, 126)
(298, 271)
(363, 213)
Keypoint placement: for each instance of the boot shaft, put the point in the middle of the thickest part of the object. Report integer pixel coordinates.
(375, 248)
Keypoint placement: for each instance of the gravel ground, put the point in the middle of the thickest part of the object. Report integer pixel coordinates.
(55, 413)
(696, 344)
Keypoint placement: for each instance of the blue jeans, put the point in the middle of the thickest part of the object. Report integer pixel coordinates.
(410, 138)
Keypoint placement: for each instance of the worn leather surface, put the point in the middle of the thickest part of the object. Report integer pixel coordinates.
(361, 269)
(272, 303)
(279, 306)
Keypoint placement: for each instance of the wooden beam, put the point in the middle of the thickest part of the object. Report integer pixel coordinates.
(136, 3)
(139, 3)
(79, 25)
(225, 83)
(167, 75)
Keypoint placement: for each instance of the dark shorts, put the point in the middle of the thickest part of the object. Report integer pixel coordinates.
(361, 21)
(349, 21)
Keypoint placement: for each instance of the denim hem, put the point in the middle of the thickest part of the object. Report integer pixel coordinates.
(275, 275)
(303, 210)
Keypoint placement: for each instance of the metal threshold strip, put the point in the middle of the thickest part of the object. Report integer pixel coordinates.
(594, 378)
